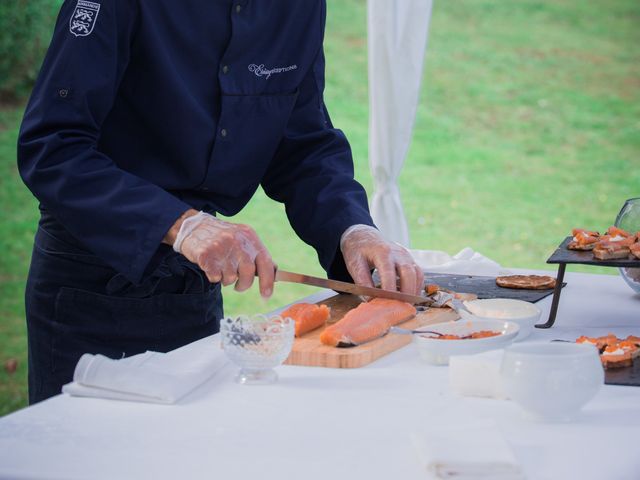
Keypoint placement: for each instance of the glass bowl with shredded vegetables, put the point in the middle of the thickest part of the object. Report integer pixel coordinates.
(257, 344)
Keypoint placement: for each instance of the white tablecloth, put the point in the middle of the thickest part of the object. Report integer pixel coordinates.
(321, 423)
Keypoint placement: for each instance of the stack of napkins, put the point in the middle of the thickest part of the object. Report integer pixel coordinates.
(465, 262)
(476, 450)
(148, 377)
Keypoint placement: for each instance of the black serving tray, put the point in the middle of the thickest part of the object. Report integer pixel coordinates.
(484, 287)
(563, 257)
(628, 376)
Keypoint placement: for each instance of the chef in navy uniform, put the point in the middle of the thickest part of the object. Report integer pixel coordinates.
(150, 117)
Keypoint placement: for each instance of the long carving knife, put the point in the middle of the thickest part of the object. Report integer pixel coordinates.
(345, 287)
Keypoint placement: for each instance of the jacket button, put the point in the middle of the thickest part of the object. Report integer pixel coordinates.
(225, 69)
(223, 132)
(238, 8)
(63, 92)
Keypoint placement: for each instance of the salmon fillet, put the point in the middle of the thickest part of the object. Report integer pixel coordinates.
(307, 316)
(367, 321)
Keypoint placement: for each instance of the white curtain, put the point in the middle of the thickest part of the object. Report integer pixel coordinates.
(397, 37)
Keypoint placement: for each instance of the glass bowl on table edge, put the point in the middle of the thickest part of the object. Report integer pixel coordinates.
(257, 344)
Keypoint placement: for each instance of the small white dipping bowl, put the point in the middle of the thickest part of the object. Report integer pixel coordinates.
(437, 351)
(551, 381)
(525, 314)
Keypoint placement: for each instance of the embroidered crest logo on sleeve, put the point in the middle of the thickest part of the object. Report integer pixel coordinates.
(84, 18)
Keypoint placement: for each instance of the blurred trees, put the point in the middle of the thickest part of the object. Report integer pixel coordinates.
(25, 30)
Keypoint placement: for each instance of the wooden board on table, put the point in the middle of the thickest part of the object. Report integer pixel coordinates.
(308, 351)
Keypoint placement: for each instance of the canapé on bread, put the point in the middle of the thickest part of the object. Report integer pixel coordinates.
(610, 251)
(615, 352)
(615, 244)
(583, 239)
(530, 282)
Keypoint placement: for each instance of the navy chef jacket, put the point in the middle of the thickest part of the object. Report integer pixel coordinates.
(146, 108)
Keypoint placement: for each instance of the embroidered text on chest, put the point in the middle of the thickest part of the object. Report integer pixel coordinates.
(262, 71)
(84, 18)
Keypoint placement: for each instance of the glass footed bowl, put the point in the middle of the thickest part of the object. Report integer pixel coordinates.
(257, 344)
(629, 219)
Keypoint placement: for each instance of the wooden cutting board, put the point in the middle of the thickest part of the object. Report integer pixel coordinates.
(308, 351)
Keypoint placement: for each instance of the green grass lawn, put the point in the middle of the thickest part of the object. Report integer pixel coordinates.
(529, 125)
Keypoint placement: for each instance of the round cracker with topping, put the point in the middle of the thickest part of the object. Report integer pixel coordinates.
(530, 282)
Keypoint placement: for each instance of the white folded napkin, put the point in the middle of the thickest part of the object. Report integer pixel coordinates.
(477, 375)
(148, 377)
(465, 262)
(473, 451)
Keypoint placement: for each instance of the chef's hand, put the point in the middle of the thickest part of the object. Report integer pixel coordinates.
(363, 248)
(226, 252)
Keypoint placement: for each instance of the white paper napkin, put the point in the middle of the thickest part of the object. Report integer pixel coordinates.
(465, 262)
(148, 377)
(477, 375)
(473, 451)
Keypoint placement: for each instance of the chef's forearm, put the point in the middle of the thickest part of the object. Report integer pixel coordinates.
(172, 233)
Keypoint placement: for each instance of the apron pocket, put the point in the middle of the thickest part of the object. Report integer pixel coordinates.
(117, 327)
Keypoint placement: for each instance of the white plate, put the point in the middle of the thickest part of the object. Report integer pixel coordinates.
(437, 352)
(525, 314)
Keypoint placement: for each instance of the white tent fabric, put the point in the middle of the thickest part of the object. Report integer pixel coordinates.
(397, 39)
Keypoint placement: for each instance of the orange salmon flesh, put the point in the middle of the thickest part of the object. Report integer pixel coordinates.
(367, 321)
(307, 316)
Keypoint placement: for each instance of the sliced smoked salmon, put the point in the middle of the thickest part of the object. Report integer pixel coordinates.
(307, 316)
(618, 232)
(367, 321)
(577, 231)
(583, 239)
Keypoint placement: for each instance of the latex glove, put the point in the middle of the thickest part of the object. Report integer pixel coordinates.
(226, 252)
(363, 248)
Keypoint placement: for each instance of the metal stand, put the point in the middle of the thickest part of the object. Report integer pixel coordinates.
(556, 297)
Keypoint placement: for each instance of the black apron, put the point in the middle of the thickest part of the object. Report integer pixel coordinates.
(76, 303)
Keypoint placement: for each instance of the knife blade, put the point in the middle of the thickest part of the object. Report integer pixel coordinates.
(284, 276)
